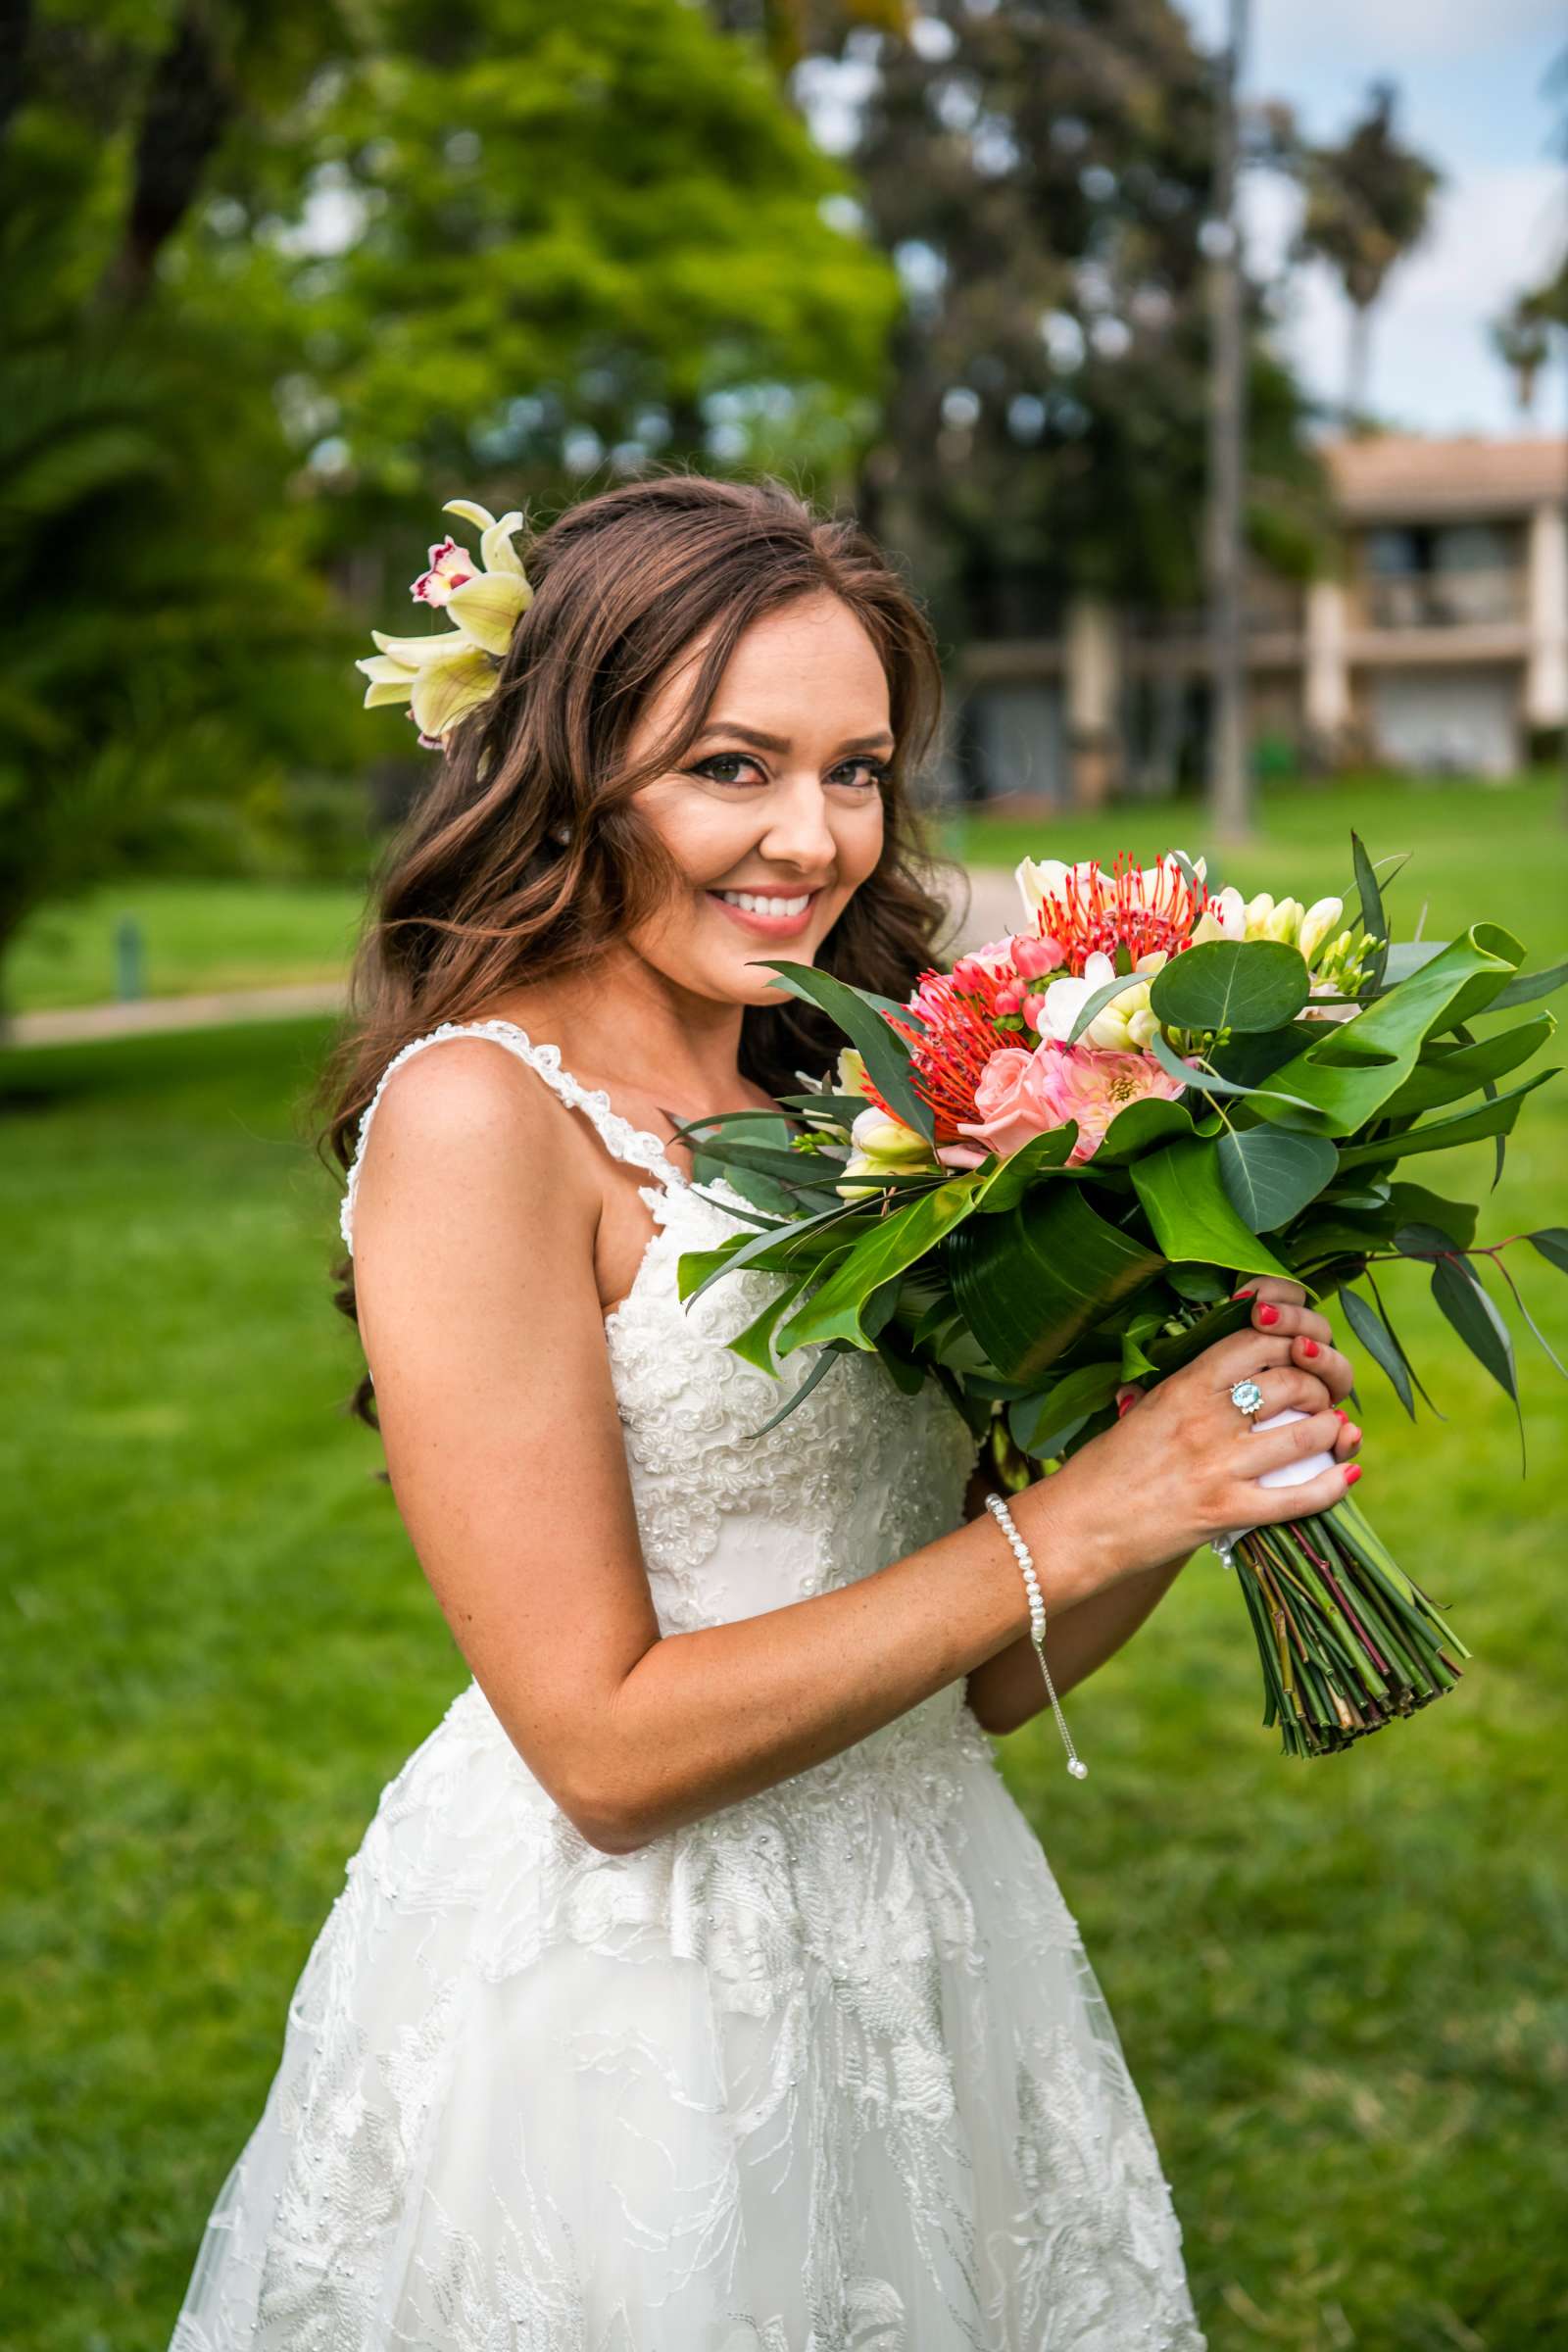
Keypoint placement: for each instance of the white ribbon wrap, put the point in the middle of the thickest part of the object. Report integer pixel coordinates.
(1289, 1474)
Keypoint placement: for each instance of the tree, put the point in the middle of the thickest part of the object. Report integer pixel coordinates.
(167, 655)
(542, 241)
(1041, 174)
(1368, 205)
(281, 276)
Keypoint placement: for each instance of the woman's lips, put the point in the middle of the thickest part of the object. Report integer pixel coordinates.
(769, 926)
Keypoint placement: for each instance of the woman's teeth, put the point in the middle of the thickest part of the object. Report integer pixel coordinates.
(750, 902)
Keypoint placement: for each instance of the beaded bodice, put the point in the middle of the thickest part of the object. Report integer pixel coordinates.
(735, 1518)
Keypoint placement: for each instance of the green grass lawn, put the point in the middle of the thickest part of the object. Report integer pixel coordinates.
(198, 935)
(1457, 831)
(1340, 1985)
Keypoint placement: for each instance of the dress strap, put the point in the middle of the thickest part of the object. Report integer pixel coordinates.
(620, 1139)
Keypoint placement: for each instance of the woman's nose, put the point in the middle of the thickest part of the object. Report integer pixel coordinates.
(798, 831)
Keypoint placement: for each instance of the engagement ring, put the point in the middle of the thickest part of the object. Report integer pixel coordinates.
(1248, 1397)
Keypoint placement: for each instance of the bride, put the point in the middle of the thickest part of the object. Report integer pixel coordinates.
(698, 1986)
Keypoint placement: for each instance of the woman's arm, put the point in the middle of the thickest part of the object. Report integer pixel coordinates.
(1009, 1689)
(474, 1232)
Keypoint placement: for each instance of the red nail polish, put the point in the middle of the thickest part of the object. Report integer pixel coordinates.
(1356, 1437)
(1309, 1347)
(1338, 1415)
(1353, 1474)
(1268, 1314)
(1241, 1294)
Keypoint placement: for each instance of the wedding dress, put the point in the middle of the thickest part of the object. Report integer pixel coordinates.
(828, 2071)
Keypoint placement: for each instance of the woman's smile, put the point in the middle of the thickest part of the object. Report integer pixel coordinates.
(772, 913)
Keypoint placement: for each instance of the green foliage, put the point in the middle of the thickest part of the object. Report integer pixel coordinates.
(1042, 175)
(275, 275)
(546, 235)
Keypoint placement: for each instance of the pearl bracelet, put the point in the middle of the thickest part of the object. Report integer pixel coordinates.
(1037, 1622)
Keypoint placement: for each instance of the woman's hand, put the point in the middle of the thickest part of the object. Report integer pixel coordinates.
(1184, 1466)
(1280, 1308)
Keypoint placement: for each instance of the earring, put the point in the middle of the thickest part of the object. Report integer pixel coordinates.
(561, 833)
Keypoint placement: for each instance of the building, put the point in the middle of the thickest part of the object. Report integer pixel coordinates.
(1436, 641)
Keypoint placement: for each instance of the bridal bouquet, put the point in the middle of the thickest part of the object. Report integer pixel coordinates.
(1042, 1176)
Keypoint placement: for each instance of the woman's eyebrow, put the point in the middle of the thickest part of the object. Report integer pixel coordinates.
(780, 743)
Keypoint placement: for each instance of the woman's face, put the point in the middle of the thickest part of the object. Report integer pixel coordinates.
(776, 815)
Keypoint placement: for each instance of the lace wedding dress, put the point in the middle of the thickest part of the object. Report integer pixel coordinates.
(828, 2071)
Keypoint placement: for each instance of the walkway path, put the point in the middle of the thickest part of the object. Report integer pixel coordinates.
(993, 909)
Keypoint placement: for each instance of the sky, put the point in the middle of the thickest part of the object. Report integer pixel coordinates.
(1469, 74)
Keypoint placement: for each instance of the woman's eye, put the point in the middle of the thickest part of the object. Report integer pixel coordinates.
(863, 773)
(726, 759)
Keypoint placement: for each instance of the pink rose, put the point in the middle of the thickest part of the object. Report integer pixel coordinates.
(1084, 1084)
(1014, 1100)
(1023, 1093)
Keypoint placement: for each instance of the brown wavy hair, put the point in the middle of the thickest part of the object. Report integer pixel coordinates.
(527, 851)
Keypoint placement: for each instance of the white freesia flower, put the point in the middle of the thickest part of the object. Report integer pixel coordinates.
(1284, 923)
(1124, 1025)
(1224, 917)
(1316, 925)
(885, 1142)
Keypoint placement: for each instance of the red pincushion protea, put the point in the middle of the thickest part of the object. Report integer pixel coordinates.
(955, 1036)
(1141, 908)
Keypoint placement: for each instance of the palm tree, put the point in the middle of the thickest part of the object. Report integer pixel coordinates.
(1522, 340)
(1368, 205)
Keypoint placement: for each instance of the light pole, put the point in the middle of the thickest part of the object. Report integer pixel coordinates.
(1229, 782)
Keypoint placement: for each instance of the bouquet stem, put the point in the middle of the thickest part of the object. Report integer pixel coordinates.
(1346, 1640)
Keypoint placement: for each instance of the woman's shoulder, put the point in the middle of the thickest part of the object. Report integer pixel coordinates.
(467, 1133)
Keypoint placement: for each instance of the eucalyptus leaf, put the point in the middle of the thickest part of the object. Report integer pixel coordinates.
(1459, 1292)
(1427, 1241)
(1271, 1173)
(885, 1053)
(1233, 983)
(1552, 1242)
(1186, 1202)
(1381, 1344)
(1413, 1205)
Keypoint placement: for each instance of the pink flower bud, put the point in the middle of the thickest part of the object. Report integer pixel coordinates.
(1035, 958)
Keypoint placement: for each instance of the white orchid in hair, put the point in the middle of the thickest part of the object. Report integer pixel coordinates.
(445, 676)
